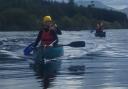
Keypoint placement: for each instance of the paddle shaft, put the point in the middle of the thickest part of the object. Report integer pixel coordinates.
(76, 44)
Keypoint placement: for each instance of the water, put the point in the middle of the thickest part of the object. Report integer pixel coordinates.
(102, 64)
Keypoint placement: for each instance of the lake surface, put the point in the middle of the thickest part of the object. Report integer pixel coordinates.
(102, 64)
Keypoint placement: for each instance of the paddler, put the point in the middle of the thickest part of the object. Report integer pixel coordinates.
(99, 27)
(48, 33)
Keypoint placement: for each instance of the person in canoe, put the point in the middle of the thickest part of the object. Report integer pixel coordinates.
(99, 27)
(99, 30)
(48, 33)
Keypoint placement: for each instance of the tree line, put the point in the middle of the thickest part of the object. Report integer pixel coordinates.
(27, 15)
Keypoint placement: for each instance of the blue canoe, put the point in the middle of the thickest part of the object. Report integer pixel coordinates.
(41, 53)
(100, 34)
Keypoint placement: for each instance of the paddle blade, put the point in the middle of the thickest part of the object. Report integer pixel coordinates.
(28, 49)
(77, 44)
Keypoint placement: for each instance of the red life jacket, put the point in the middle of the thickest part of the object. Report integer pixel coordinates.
(47, 38)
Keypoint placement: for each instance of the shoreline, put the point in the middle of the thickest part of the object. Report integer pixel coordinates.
(62, 30)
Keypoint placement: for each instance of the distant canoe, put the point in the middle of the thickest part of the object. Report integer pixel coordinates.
(100, 34)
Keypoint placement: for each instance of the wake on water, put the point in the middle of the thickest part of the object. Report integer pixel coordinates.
(93, 47)
(96, 45)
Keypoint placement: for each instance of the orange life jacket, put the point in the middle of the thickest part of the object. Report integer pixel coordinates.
(47, 38)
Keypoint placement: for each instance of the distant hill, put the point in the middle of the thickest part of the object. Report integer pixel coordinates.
(97, 4)
(125, 10)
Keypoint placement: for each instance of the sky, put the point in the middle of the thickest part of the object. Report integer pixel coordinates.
(117, 4)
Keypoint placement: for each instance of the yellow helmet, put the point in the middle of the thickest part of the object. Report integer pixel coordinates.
(47, 18)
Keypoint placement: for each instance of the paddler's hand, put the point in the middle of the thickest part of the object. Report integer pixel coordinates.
(45, 46)
(56, 25)
(53, 27)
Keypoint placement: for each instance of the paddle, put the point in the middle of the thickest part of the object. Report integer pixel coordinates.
(76, 44)
(28, 49)
(91, 31)
(52, 43)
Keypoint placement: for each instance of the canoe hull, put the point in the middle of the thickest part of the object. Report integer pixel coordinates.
(100, 34)
(41, 53)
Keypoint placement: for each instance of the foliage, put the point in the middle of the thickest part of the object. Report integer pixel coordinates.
(27, 14)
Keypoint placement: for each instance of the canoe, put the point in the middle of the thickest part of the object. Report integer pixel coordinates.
(100, 34)
(41, 53)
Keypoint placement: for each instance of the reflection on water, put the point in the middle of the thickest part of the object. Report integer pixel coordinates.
(76, 70)
(46, 72)
(102, 64)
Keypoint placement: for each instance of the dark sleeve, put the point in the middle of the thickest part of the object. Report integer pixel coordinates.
(38, 38)
(55, 37)
(58, 31)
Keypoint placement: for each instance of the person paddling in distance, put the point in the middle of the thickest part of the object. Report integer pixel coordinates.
(48, 33)
(99, 27)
